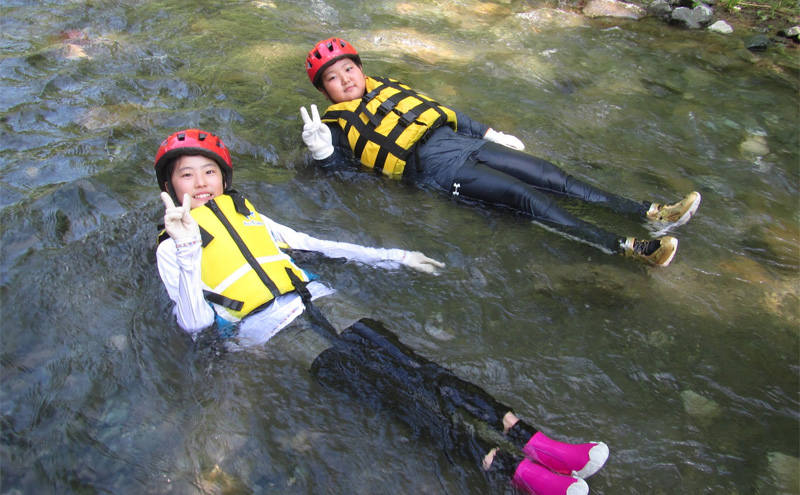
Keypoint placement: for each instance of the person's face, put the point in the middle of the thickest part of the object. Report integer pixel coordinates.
(199, 176)
(343, 81)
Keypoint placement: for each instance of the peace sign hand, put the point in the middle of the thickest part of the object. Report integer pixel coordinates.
(316, 135)
(178, 222)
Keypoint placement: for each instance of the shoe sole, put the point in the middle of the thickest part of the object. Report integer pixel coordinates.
(682, 220)
(674, 243)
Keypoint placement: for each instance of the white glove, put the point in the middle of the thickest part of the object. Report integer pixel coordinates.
(179, 224)
(504, 139)
(316, 135)
(418, 261)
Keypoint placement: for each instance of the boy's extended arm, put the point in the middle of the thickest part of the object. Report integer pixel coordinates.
(475, 129)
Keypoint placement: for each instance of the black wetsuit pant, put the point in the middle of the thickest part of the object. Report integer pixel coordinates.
(500, 175)
(369, 363)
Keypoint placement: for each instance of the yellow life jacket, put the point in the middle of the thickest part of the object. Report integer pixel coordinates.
(242, 264)
(384, 127)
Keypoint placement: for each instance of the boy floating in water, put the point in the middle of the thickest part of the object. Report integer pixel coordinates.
(393, 129)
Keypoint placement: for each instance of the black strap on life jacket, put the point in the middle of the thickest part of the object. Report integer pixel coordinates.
(315, 314)
(226, 302)
(367, 131)
(248, 255)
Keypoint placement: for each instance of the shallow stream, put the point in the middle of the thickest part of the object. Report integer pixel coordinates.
(690, 373)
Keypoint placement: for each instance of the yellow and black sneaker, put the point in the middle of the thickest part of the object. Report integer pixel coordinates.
(666, 217)
(657, 252)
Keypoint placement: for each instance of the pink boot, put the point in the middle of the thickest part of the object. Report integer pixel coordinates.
(581, 460)
(538, 480)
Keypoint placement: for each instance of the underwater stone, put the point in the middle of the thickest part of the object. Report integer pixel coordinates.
(757, 43)
(785, 471)
(698, 406)
(613, 8)
(754, 145)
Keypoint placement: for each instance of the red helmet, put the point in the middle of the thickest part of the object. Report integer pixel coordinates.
(192, 142)
(325, 53)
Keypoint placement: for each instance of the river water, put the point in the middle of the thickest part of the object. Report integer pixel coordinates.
(689, 373)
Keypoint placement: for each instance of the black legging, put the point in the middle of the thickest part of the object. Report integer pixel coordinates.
(500, 175)
(369, 362)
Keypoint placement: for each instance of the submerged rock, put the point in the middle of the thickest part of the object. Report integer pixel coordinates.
(785, 471)
(546, 19)
(698, 406)
(757, 43)
(435, 328)
(755, 145)
(613, 8)
(216, 481)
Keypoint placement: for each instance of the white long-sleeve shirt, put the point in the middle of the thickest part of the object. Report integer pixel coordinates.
(179, 268)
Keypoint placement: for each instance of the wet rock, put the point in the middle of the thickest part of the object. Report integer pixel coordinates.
(698, 406)
(683, 17)
(407, 42)
(118, 342)
(721, 27)
(303, 441)
(746, 269)
(783, 240)
(704, 15)
(96, 118)
(660, 9)
(550, 19)
(215, 481)
(613, 8)
(785, 471)
(9, 195)
(783, 304)
(435, 329)
(695, 18)
(464, 13)
(755, 145)
(793, 33)
(757, 43)
(72, 51)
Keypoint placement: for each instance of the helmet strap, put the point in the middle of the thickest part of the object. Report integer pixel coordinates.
(173, 194)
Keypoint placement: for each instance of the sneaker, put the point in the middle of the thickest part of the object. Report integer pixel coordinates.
(579, 460)
(674, 215)
(535, 479)
(658, 252)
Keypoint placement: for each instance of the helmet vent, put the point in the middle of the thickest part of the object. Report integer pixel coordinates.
(181, 136)
(201, 136)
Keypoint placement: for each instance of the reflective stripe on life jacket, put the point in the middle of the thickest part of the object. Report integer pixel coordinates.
(385, 125)
(241, 262)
